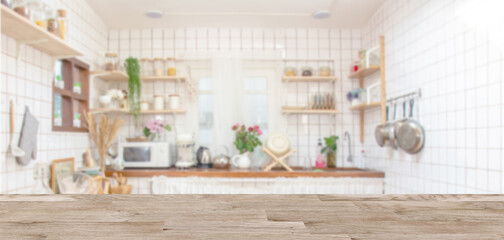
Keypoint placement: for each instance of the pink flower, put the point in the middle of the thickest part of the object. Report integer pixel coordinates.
(256, 128)
(250, 129)
(236, 126)
(243, 128)
(259, 132)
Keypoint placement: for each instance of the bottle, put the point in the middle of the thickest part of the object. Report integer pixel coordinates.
(62, 25)
(40, 180)
(320, 162)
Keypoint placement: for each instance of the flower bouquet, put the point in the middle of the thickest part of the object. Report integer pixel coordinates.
(153, 128)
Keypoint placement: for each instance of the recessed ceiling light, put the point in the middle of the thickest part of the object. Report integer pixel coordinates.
(322, 14)
(154, 14)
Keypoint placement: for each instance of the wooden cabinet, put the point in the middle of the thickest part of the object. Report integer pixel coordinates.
(70, 95)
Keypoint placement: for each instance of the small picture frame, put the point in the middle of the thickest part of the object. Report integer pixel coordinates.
(61, 167)
(374, 93)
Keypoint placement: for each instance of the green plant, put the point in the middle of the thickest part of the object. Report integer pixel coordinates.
(77, 116)
(246, 141)
(331, 144)
(77, 84)
(134, 86)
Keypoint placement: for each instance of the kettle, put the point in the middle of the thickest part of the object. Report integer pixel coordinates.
(204, 157)
(222, 160)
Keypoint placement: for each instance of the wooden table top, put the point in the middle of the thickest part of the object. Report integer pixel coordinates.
(238, 173)
(340, 217)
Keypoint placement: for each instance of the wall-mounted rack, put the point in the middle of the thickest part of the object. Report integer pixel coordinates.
(361, 74)
(414, 94)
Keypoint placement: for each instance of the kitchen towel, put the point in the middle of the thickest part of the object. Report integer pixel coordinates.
(28, 138)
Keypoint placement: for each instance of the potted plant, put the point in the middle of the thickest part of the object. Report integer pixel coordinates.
(247, 139)
(153, 129)
(330, 148)
(134, 86)
(77, 87)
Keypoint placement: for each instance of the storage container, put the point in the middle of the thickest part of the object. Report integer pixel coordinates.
(171, 71)
(158, 102)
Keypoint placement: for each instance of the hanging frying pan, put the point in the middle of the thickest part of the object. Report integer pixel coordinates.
(411, 135)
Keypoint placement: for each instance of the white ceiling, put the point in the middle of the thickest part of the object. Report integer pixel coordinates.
(234, 13)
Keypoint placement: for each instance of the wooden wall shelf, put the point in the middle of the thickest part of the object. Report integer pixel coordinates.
(237, 173)
(126, 111)
(364, 72)
(366, 106)
(361, 74)
(163, 78)
(111, 76)
(309, 79)
(310, 111)
(25, 31)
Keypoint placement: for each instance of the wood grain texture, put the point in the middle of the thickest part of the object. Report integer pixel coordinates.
(238, 173)
(339, 217)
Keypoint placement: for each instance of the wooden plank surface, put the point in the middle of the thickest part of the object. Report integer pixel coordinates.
(252, 217)
(237, 173)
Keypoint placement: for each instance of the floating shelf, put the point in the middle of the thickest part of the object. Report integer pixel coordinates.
(163, 78)
(309, 79)
(366, 106)
(362, 73)
(25, 31)
(125, 111)
(310, 111)
(111, 76)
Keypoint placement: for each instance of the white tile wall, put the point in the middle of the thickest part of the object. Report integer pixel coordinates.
(31, 85)
(453, 51)
(300, 43)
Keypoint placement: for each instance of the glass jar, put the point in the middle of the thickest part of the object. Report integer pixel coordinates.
(171, 71)
(325, 71)
(146, 67)
(38, 11)
(111, 61)
(21, 7)
(290, 71)
(307, 72)
(52, 24)
(158, 102)
(354, 67)
(158, 67)
(62, 23)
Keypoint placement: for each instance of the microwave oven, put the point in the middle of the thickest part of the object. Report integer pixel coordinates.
(145, 154)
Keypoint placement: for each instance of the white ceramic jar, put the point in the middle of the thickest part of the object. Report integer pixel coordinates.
(158, 102)
(174, 101)
(144, 105)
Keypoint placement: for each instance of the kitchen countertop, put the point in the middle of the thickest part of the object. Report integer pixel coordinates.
(237, 173)
(339, 217)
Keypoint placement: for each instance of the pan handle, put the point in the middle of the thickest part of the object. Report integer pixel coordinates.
(412, 102)
(404, 109)
(387, 111)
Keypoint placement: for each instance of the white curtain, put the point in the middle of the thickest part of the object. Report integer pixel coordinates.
(229, 103)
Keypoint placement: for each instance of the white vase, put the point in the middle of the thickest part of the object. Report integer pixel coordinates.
(241, 161)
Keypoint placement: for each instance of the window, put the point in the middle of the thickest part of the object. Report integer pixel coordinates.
(70, 95)
(256, 98)
(205, 111)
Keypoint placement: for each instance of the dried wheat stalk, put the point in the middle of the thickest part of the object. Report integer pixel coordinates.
(104, 135)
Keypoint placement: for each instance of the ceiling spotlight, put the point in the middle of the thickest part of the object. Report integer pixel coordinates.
(154, 14)
(321, 14)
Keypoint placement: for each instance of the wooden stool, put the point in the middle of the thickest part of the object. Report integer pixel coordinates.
(277, 160)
